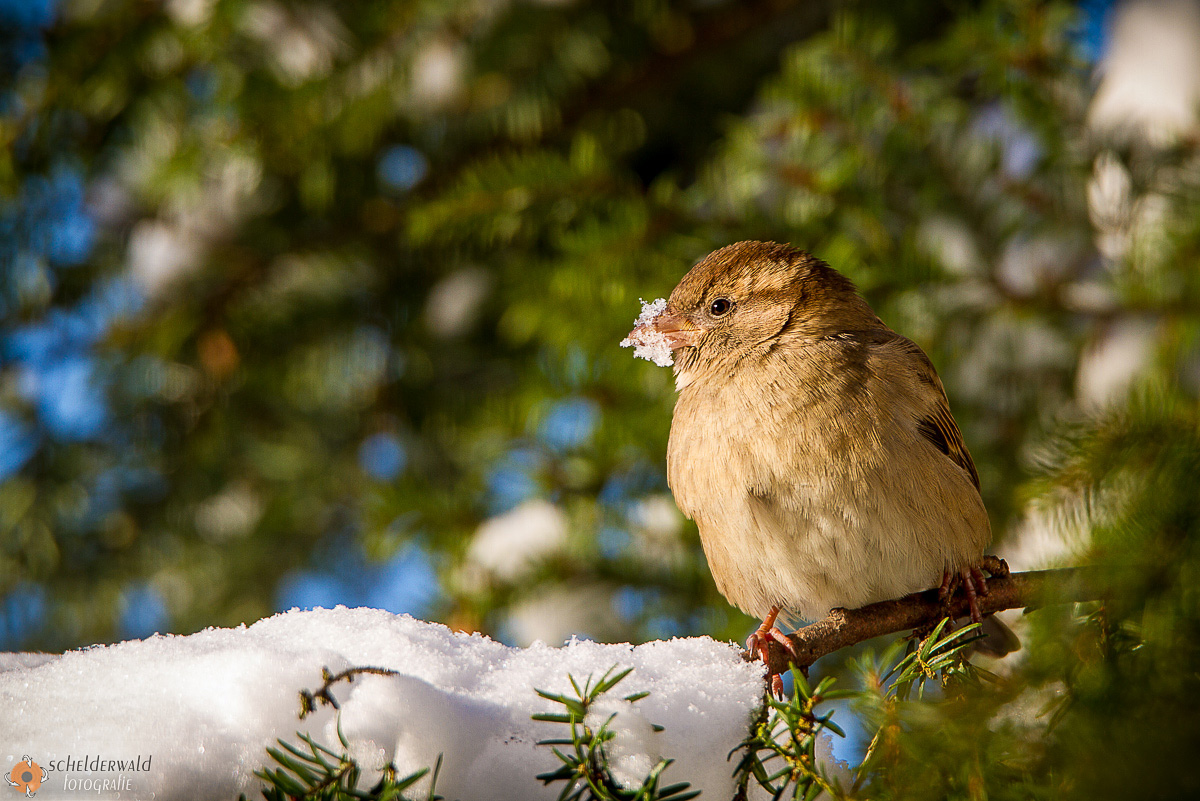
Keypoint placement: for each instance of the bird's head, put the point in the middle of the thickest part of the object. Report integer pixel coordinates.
(741, 299)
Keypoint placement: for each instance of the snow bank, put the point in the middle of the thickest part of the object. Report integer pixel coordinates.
(203, 708)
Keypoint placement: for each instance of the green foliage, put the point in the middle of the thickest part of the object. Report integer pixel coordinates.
(313, 772)
(243, 163)
(937, 656)
(780, 752)
(585, 765)
(1128, 668)
(564, 168)
(564, 161)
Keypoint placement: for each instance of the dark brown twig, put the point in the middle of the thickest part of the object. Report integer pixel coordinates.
(323, 695)
(844, 627)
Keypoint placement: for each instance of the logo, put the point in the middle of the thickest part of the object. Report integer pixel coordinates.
(27, 776)
(100, 774)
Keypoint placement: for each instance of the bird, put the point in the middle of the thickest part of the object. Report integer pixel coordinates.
(812, 445)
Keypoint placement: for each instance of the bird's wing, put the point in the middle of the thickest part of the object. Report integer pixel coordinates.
(939, 428)
(937, 424)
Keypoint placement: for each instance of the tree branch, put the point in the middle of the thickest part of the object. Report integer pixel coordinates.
(843, 627)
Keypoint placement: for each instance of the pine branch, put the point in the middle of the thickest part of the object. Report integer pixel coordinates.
(845, 627)
(585, 768)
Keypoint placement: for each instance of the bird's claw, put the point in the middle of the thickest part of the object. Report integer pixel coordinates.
(759, 644)
(974, 583)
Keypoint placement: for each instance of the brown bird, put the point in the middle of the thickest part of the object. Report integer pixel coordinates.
(813, 445)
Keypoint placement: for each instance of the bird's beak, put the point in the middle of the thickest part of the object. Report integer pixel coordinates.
(677, 331)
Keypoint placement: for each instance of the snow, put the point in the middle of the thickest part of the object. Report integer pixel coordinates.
(632, 753)
(203, 708)
(557, 612)
(657, 528)
(508, 546)
(453, 304)
(1115, 358)
(1150, 76)
(648, 343)
(836, 769)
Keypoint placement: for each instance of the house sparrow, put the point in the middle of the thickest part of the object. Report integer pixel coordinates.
(812, 445)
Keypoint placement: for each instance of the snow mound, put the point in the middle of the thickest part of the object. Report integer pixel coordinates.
(191, 716)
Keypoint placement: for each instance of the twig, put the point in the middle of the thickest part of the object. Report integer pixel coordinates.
(843, 627)
(309, 699)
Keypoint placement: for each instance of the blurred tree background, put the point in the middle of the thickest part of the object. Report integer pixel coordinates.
(305, 303)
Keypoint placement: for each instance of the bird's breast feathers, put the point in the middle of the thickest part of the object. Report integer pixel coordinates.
(808, 490)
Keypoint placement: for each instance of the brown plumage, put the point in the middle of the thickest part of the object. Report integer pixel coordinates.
(813, 446)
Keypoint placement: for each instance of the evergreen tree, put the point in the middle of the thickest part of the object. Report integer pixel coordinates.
(309, 291)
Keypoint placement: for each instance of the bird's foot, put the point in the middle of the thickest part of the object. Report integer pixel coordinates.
(974, 583)
(759, 643)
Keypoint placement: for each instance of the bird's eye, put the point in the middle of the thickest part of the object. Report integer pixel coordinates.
(720, 306)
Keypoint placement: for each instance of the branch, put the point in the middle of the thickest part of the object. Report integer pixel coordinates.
(843, 627)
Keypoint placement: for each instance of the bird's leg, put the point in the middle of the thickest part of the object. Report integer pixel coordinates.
(760, 643)
(974, 585)
(946, 588)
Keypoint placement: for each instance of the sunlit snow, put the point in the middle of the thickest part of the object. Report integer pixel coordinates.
(199, 711)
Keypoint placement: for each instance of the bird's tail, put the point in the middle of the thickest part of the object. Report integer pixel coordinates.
(998, 639)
